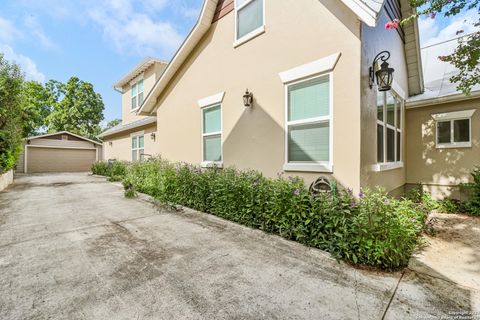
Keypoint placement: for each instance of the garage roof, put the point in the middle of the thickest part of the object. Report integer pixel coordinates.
(63, 132)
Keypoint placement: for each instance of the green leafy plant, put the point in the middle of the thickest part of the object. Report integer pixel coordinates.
(370, 229)
(472, 205)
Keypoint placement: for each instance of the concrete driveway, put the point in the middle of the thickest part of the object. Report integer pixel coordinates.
(72, 247)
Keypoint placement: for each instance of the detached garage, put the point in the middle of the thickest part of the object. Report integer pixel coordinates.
(58, 152)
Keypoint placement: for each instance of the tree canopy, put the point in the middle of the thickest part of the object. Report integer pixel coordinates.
(11, 110)
(112, 123)
(75, 107)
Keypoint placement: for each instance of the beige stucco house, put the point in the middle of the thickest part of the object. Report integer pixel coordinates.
(135, 137)
(315, 111)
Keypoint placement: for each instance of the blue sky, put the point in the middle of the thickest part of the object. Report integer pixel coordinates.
(99, 41)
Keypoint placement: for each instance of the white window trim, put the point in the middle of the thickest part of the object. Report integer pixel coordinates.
(254, 33)
(388, 166)
(452, 116)
(135, 135)
(209, 164)
(211, 100)
(391, 165)
(317, 67)
(320, 166)
(135, 82)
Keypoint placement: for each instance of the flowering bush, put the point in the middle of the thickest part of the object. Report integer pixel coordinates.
(392, 24)
(372, 229)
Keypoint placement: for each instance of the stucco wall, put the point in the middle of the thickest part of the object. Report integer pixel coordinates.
(254, 137)
(440, 169)
(150, 76)
(6, 178)
(121, 148)
(375, 40)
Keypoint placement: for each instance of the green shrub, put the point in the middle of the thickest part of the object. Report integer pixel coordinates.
(100, 168)
(115, 170)
(472, 205)
(373, 230)
(450, 206)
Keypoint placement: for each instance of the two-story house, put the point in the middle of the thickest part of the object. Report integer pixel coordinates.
(135, 137)
(306, 63)
(290, 86)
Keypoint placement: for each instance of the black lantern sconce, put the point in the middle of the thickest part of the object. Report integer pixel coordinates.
(153, 136)
(384, 75)
(110, 143)
(248, 99)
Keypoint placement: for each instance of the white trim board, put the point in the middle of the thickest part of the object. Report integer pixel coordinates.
(313, 68)
(444, 116)
(62, 132)
(213, 99)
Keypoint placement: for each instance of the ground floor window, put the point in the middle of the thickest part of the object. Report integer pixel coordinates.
(453, 129)
(137, 147)
(308, 133)
(389, 127)
(212, 134)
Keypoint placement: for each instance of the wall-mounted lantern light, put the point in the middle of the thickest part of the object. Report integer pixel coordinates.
(248, 99)
(110, 143)
(384, 75)
(153, 136)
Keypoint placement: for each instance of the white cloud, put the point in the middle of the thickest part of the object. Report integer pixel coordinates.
(27, 65)
(134, 31)
(431, 33)
(36, 30)
(8, 32)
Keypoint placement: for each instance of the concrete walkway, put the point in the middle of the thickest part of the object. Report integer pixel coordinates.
(72, 247)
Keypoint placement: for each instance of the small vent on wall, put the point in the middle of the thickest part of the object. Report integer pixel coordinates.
(64, 137)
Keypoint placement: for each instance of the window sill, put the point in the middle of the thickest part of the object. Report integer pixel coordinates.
(211, 164)
(134, 110)
(387, 166)
(308, 167)
(454, 145)
(255, 33)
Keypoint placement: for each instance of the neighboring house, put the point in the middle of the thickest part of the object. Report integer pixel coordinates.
(443, 128)
(134, 138)
(307, 65)
(58, 152)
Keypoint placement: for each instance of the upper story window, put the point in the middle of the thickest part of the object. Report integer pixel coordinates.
(249, 19)
(137, 94)
(212, 135)
(389, 127)
(309, 127)
(453, 129)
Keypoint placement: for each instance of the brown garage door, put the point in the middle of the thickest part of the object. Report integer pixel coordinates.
(59, 160)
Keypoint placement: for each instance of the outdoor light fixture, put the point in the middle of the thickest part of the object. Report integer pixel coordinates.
(384, 75)
(248, 99)
(153, 136)
(110, 143)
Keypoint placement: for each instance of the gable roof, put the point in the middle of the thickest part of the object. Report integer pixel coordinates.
(62, 132)
(201, 27)
(138, 69)
(366, 10)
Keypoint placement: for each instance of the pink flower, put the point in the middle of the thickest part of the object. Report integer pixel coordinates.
(441, 58)
(392, 24)
(432, 15)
